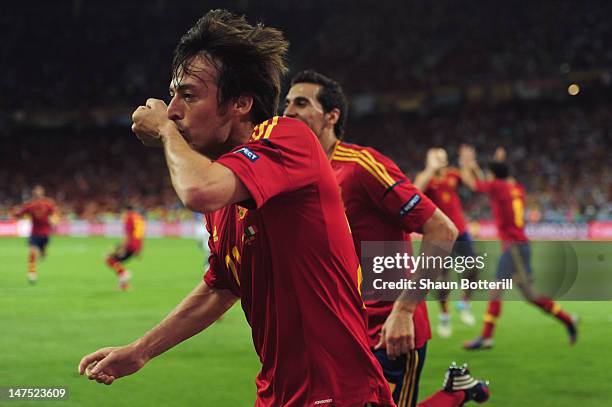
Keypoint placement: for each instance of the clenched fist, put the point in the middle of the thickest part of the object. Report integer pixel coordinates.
(148, 121)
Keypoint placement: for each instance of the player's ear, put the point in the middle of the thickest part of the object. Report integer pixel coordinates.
(333, 116)
(243, 104)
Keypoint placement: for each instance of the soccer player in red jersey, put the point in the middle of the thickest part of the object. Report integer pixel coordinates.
(381, 204)
(134, 226)
(279, 240)
(41, 211)
(507, 199)
(440, 183)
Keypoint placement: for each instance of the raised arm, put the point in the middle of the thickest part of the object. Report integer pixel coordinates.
(469, 170)
(203, 306)
(433, 163)
(200, 184)
(18, 212)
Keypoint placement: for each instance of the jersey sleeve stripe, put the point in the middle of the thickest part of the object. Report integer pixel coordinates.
(382, 168)
(401, 181)
(372, 166)
(365, 165)
(376, 164)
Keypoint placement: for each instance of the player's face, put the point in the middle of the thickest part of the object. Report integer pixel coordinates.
(443, 157)
(195, 109)
(301, 103)
(38, 191)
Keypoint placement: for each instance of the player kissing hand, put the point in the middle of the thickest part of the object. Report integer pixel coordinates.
(467, 155)
(149, 120)
(435, 159)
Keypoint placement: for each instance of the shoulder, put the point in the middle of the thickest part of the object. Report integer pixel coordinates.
(50, 203)
(453, 172)
(503, 186)
(368, 152)
(278, 128)
(40, 204)
(367, 162)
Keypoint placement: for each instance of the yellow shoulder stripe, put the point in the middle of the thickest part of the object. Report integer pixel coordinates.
(367, 161)
(264, 129)
(370, 157)
(369, 169)
(382, 168)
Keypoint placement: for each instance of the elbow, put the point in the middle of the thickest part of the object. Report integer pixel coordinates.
(452, 231)
(441, 228)
(196, 199)
(447, 232)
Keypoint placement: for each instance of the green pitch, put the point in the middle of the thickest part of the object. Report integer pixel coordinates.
(76, 308)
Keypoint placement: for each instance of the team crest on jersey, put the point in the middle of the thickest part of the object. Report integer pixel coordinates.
(248, 153)
(408, 206)
(241, 212)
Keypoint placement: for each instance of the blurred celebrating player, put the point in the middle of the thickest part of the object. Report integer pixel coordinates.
(507, 199)
(279, 240)
(440, 183)
(41, 211)
(381, 205)
(134, 226)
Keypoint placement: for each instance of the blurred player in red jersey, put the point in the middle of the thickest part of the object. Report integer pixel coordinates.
(440, 183)
(507, 199)
(41, 211)
(279, 240)
(134, 226)
(375, 194)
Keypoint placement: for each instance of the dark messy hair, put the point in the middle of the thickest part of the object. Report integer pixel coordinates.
(331, 96)
(250, 59)
(501, 170)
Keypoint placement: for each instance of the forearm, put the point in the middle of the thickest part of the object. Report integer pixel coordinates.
(439, 235)
(422, 178)
(468, 177)
(197, 311)
(478, 172)
(187, 167)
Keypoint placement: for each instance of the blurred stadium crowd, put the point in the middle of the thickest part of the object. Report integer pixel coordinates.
(68, 95)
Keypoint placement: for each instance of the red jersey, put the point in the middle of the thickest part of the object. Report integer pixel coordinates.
(443, 192)
(288, 254)
(134, 231)
(508, 206)
(40, 211)
(375, 192)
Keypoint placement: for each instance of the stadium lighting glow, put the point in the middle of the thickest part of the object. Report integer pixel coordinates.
(573, 89)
